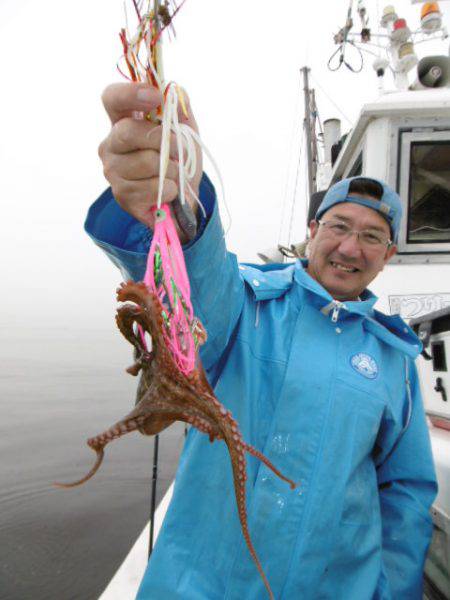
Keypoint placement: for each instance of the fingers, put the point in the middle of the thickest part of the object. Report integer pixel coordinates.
(128, 135)
(131, 152)
(137, 165)
(122, 99)
(134, 179)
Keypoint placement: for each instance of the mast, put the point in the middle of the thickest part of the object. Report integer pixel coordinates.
(307, 123)
(315, 151)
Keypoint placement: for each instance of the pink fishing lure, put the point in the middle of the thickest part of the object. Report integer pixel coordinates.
(167, 277)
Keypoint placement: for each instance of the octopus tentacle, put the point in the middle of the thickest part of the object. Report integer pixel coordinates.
(146, 378)
(97, 443)
(91, 473)
(237, 447)
(237, 437)
(154, 324)
(126, 316)
(202, 380)
(238, 463)
(158, 413)
(254, 452)
(152, 321)
(150, 419)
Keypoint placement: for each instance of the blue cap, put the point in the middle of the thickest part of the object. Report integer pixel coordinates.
(389, 205)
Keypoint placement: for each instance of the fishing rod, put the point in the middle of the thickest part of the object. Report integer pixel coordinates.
(157, 20)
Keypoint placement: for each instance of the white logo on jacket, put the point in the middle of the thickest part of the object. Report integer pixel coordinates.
(365, 365)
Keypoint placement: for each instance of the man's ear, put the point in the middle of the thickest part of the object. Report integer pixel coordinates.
(314, 228)
(390, 252)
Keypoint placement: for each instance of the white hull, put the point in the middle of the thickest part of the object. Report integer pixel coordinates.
(125, 583)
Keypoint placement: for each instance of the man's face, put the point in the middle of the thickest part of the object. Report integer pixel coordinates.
(345, 267)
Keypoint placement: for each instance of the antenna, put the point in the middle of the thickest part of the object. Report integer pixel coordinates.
(397, 42)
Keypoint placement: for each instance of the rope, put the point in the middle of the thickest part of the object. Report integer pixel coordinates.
(291, 222)
(333, 102)
(291, 145)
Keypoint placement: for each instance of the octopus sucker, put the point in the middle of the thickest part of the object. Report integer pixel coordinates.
(165, 395)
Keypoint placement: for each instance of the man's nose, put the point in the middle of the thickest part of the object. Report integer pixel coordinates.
(351, 246)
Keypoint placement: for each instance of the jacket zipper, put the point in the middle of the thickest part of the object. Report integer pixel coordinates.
(337, 306)
(333, 308)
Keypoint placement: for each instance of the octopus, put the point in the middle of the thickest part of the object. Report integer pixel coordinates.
(166, 395)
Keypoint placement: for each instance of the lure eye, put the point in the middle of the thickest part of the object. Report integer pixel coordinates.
(160, 215)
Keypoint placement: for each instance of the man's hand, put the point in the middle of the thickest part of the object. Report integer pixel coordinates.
(130, 153)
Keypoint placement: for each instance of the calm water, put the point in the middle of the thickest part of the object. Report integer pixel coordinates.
(57, 388)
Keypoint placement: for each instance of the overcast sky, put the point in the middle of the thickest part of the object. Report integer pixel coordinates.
(240, 62)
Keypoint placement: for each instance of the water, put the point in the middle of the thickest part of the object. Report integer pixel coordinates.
(57, 388)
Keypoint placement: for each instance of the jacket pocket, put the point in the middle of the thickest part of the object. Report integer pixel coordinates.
(361, 499)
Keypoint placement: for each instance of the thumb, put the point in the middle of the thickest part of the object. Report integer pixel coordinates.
(123, 99)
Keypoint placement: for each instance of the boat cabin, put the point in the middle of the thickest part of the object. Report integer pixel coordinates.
(404, 139)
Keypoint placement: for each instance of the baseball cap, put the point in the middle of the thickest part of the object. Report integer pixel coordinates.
(389, 205)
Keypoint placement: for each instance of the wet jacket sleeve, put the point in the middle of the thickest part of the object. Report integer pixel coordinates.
(407, 486)
(217, 290)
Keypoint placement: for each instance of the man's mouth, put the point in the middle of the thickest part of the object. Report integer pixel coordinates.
(343, 267)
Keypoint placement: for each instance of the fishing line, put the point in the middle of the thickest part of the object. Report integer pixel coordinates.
(291, 222)
(332, 101)
(295, 127)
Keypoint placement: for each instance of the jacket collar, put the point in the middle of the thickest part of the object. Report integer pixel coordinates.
(274, 280)
(391, 329)
(325, 302)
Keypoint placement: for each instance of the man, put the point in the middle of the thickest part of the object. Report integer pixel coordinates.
(318, 380)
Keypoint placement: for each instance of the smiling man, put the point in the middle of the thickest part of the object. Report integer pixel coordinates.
(350, 244)
(318, 380)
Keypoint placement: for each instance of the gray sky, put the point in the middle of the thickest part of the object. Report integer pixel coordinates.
(240, 63)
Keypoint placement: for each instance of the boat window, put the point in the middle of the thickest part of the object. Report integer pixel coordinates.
(438, 354)
(429, 193)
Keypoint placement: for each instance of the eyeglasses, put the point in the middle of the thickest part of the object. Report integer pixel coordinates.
(366, 237)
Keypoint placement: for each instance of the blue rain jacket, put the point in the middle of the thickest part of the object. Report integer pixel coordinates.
(329, 393)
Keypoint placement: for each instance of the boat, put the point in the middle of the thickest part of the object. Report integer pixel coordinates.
(403, 138)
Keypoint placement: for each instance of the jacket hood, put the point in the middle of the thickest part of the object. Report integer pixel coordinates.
(270, 281)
